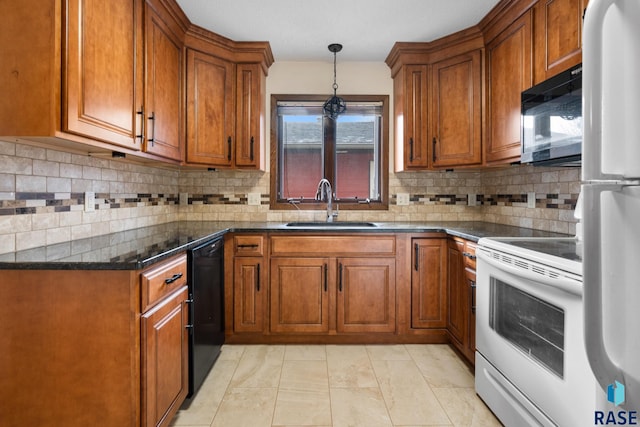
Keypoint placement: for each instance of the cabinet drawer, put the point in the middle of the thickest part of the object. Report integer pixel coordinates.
(470, 255)
(161, 280)
(379, 244)
(250, 245)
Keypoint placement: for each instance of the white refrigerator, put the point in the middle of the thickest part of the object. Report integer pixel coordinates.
(611, 198)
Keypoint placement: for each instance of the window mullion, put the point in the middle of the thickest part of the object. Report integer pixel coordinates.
(329, 135)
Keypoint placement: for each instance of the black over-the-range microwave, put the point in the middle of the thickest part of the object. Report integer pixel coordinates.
(551, 121)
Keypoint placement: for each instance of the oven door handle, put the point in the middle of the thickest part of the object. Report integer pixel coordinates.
(564, 283)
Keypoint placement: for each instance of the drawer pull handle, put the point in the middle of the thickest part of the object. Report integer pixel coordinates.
(248, 246)
(469, 255)
(172, 279)
(416, 260)
(340, 277)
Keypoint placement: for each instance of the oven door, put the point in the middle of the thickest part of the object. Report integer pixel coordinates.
(533, 368)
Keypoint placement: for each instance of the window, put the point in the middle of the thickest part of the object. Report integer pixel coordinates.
(351, 152)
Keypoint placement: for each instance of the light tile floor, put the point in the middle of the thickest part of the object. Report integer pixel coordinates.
(337, 385)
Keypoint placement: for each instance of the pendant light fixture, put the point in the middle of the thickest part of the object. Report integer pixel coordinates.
(334, 105)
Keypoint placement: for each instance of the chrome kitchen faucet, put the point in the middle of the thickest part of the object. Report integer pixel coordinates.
(325, 193)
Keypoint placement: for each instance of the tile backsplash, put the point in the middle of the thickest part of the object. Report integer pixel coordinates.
(42, 194)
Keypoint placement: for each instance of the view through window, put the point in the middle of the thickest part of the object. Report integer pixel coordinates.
(350, 151)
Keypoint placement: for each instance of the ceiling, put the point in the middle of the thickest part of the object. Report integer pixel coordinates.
(301, 30)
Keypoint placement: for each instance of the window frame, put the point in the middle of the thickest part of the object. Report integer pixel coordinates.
(346, 204)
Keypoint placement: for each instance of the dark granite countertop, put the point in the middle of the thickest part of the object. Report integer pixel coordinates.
(141, 247)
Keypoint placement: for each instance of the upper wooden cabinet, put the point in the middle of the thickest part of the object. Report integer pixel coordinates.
(509, 72)
(456, 118)
(437, 102)
(210, 113)
(225, 112)
(111, 76)
(410, 87)
(103, 81)
(558, 36)
(250, 116)
(163, 107)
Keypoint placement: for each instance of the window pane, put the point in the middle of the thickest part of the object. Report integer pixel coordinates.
(358, 162)
(301, 158)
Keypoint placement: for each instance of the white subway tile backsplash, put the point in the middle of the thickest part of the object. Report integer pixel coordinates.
(30, 239)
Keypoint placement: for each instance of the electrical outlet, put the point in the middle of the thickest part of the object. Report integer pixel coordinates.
(402, 199)
(253, 199)
(531, 199)
(89, 201)
(471, 199)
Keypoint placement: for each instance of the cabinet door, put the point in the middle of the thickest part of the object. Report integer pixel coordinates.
(458, 295)
(428, 283)
(103, 79)
(164, 359)
(455, 111)
(366, 298)
(250, 99)
(210, 115)
(249, 294)
(509, 72)
(410, 91)
(299, 295)
(163, 97)
(558, 36)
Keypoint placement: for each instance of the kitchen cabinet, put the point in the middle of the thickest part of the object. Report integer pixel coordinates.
(164, 340)
(163, 110)
(557, 36)
(461, 295)
(304, 289)
(165, 359)
(428, 283)
(410, 88)
(210, 109)
(249, 290)
(94, 347)
(509, 72)
(455, 105)
(103, 81)
(225, 112)
(300, 295)
(335, 283)
(438, 102)
(80, 79)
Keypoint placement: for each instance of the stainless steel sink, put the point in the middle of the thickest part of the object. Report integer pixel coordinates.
(337, 224)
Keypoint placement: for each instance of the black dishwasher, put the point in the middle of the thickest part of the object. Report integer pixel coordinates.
(206, 289)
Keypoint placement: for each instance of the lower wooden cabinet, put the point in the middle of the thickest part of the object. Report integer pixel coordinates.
(249, 294)
(165, 360)
(304, 292)
(300, 295)
(366, 298)
(461, 284)
(93, 347)
(428, 286)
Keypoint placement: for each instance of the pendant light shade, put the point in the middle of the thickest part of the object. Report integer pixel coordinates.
(334, 105)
